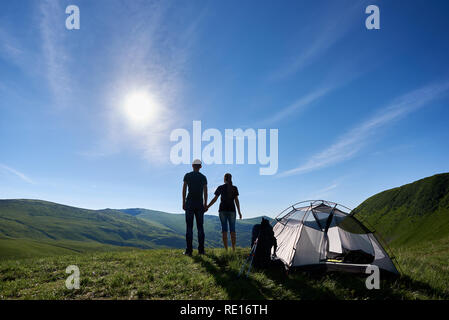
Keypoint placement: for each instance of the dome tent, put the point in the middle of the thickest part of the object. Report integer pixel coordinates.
(323, 235)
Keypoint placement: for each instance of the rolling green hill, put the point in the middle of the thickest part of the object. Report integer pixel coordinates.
(11, 248)
(39, 228)
(212, 225)
(414, 218)
(46, 222)
(410, 214)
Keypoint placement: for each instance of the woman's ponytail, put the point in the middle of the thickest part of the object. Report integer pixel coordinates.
(229, 187)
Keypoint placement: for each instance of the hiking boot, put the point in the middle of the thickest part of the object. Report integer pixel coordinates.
(187, 253)
(201, 252)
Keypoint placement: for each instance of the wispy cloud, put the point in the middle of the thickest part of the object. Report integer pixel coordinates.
(13, 50)
(321, 36)
(9, 48)
(353, 141)
(150, 56)
(297, 106)
(323, 193)
(56, 58)
(334, 80)
(16, 173)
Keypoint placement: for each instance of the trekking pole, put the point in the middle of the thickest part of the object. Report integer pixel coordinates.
(250, 256)
(245, 262)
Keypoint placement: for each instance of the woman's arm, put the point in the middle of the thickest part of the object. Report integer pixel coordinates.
(237, 203)
(212, 202)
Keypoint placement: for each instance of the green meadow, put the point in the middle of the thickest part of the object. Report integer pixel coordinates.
(167, 274)
(136, 253)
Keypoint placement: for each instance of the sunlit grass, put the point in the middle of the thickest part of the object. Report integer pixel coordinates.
(167, 274)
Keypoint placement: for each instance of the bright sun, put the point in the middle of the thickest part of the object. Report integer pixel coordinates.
(140, 108)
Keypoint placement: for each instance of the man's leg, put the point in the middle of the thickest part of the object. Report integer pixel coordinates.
(199, 215)
(189, 231)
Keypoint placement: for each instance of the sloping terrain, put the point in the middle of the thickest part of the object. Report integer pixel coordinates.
(38, 228)
(212, 225)
(46, 221)
(411, 214)
(413, 218)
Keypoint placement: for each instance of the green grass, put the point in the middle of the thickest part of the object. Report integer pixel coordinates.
(44, 221)
(25, 248)
(427, 264)
(167, 274)
(39, 239)
(411, 214)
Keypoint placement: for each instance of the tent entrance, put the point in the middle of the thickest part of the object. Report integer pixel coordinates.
(347, 247)
(323, 234)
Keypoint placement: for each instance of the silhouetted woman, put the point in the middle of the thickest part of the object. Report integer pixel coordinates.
(229, 200)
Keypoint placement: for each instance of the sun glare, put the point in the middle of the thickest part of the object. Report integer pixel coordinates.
(140, 109)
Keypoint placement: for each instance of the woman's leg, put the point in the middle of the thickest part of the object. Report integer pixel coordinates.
(224, 235)
(232, 229)
(233, 240)
(224, 229)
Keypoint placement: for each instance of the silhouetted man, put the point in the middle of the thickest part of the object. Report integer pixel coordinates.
(194, 205)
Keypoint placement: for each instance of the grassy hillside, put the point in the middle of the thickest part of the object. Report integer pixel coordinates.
(46, 221)
(11, 248)
(38, 240)
(167, 274)
(212, 225)
(38, 228)
(411, 214)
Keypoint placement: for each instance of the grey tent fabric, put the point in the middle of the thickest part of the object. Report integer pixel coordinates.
(323, 234)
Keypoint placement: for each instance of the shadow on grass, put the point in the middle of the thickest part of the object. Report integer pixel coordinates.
(410, 284)
(252, 288)
(228, 280)
(353, 286)
(310, 286)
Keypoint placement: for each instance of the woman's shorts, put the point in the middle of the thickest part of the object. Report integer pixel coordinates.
(225, 218)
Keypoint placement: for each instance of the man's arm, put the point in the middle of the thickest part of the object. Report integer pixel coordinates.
(184, 191)
(205, 197)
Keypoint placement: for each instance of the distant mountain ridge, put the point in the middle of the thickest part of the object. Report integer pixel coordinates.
(410, 214)
(407, 215)
(42, 223)
(212, 225)
(43, 220)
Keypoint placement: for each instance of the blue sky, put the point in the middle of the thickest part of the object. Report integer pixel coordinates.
(358, 111)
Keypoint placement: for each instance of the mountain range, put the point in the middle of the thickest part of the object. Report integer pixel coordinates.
(49, 226)
(411, 214)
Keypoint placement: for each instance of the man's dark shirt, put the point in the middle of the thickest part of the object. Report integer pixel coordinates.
(227, 200)
(195, 182)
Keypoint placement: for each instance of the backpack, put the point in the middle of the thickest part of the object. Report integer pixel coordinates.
(264, 235)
